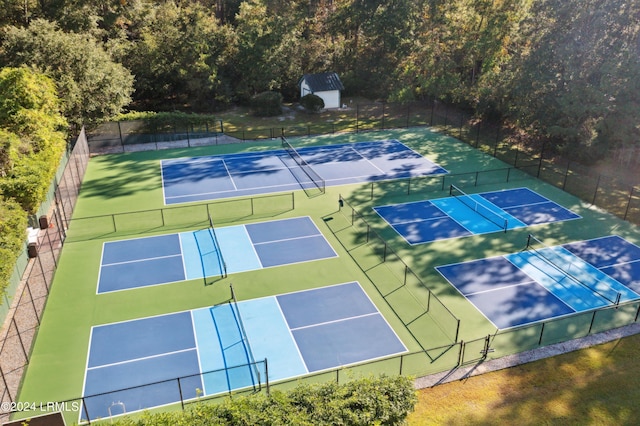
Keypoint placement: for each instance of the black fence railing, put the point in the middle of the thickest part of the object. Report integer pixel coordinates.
(145, 221)
(405, 292)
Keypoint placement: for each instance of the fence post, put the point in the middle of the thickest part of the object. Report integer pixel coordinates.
(628, 203)
(541, 333)
(566, 175)
(595, 193)
(26, 355)
(383, 103)
(4, 381)
(120, 135)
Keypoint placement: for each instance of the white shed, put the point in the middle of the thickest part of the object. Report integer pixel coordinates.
(326, 85)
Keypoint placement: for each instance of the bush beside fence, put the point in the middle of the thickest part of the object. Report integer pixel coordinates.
(25, 299)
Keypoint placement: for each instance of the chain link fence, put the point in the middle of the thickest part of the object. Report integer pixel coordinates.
(26, 296)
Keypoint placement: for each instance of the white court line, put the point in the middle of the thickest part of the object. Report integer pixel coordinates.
(336, 321)
(289, 239)
(97, 367)
(141, 260)
(289, 330)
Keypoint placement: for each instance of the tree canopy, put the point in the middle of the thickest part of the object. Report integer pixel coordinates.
(563, 69)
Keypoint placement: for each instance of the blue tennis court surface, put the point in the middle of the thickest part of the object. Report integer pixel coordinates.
(298, 333)
(170, 258)
(213, 177)
(451, 217)
(524, 287)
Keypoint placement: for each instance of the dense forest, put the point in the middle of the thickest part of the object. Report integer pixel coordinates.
(568, 70)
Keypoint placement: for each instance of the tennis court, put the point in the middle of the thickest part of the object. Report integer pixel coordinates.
(213, 349)
(233, 175)
(163, 259)
(543, 282)
(462, 215)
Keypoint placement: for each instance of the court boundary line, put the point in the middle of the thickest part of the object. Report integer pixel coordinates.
(228, 190)
(197, 347)
(501, 287)
(602, 238)
(373, 313)
(560, 250)
(141, 260)
(279, 152)
(289, 330)
(224, 163)
(288, 239)
(184, 265)
(197, 352)
(472, 233)
(98, 292)
(444, 216)
(437, 239)
(320, 324)
(548, 200)
(82, 409)
(514, 326)
(97, 367)
(253, 247)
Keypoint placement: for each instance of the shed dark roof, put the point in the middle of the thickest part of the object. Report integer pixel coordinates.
(323, 81)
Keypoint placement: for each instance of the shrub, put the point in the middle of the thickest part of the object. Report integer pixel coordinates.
(13, 223)
(312, 103)
(267, 104)
(384, 401)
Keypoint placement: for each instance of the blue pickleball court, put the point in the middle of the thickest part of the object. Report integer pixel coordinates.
(213, 349)
(525, 287)
(425, 221)
(163, 259)
(233, 175)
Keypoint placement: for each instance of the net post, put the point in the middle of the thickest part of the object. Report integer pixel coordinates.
(266, 376)
(180, 392)
(85, 409)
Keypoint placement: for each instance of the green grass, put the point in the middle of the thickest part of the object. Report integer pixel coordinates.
(595, 386)
(121, 183)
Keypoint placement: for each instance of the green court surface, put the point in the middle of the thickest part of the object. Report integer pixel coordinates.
(428, 315)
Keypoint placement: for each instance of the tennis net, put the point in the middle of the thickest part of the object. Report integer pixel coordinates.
(245, 339)
(481, 209)
(221, 263)
(564, 264)
(302, 163)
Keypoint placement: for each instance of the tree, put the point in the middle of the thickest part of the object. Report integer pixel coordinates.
(33, 139)
(577, 79)
(90, 84)
(177, 58)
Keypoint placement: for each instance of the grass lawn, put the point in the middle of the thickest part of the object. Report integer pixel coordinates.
(597, 385)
